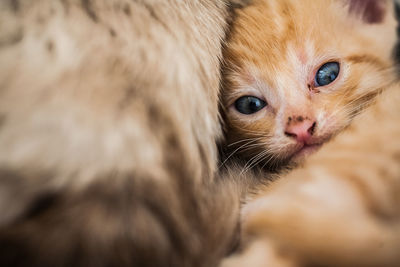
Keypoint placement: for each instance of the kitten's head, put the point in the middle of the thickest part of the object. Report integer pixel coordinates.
(297, 72)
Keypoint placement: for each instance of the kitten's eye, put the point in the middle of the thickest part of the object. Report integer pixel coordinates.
(249, 104)
(327, 74)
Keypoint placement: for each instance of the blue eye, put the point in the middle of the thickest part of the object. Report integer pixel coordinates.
(249, 104)
(327, 74)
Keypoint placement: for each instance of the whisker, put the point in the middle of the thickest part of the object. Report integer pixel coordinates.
(255, 159)
(236, 150)
(244, 140)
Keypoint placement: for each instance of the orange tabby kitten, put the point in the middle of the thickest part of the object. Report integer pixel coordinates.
(297, 72)
(342, 207)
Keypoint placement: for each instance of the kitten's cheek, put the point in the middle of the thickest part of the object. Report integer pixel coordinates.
(328, 126)
(335, 128)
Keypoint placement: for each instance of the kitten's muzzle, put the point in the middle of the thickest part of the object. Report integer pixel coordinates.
(301, 130)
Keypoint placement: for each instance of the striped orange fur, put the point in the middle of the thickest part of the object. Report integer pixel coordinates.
(275, 49)
(341, 208)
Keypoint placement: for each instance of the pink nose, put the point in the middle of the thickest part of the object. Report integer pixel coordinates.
(301, 131)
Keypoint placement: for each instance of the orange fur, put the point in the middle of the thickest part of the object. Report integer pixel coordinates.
(341, 208)
(275, 49)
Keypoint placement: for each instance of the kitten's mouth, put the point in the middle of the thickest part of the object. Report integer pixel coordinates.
(304, 151)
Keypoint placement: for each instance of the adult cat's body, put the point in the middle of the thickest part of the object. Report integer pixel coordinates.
(108, 121)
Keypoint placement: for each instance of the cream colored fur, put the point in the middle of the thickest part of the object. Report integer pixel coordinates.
(108, 129)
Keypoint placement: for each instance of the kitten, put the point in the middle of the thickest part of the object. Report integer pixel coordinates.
(341, 208)
(297, 72)
(108, 122)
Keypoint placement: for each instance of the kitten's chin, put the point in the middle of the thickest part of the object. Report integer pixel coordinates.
(296, 158)
(300, 155)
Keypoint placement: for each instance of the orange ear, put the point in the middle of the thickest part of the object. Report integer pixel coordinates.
(371, 11)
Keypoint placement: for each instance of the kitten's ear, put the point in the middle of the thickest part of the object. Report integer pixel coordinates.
(371, 11)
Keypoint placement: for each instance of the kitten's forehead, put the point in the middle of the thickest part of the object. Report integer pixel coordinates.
(286, 41)
(270, 28)
(275, 35)
(289, 77)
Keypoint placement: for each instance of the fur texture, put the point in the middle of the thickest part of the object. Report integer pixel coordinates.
(342, 207)
(108, 122)
(274, 52)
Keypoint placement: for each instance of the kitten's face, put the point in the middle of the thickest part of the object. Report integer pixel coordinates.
(298, 71)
